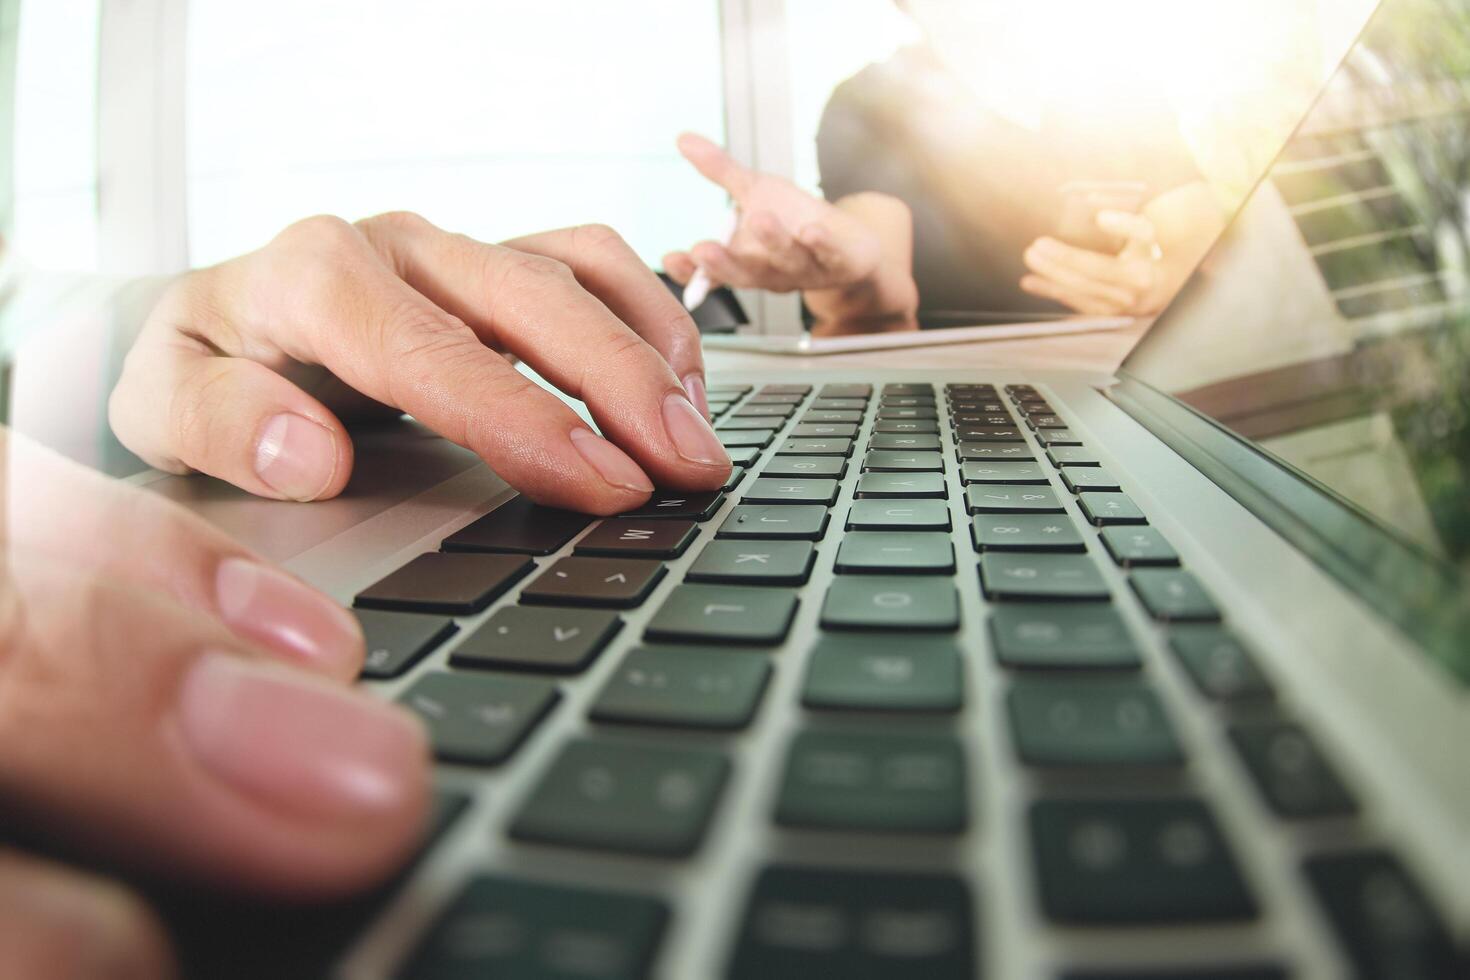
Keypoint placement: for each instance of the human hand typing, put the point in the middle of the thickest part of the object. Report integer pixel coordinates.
(246, 370)
(173, 705)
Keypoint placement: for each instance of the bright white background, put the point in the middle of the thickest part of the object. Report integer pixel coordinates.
(491, 117)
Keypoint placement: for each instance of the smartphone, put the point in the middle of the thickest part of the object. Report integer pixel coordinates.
(1081, 202)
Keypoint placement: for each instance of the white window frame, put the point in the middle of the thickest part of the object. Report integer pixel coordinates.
(142, 198)
(142, 189)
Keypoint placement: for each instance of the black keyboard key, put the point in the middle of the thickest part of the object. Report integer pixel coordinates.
(1135, 862)
(750, 425)
(890, 414)
(1025, 532)
(559, 641)
(624, 796)
(619, 583)
(824, 430)
(775, 398)
(1058, 437)
(397, 641)
(754, 562)
(833, 415)
(984, 419)
(785, 389)
(886, 782)
(508, 927)
(879, 486)
(902, 461)
(1005, 575)
(1000, 471)
(1385, 924)
(226, 935)
(754, 411)
(629, 537)
(790, 490)
(845, 391)
(804, 522)
(1105, 508)
(1071, 636)
(692, 506)
(1064, 456)
(1218, 664)
(478, 719)
(857, 672)
(1090, 722)
(1290, 771)
(993, 452)
(1045, 421)
(895, 552)
(521, 527)
(727, 389)
(684, 687)
(839, 404)
(724, 614)
(806, 466)
(905, 442)
(743, 455)
(1173, 595)
(1138, 545)
(988, 433)
(906, 388)
(998, 498)
(891, 602)
(454, 585)
(901, 401)
(745, 438)
(1089, 479)
(803, 922)
(906, 427)
(896, 515)
(815, 447)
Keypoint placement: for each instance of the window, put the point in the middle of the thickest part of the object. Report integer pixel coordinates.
(490, 117)
(55, 140)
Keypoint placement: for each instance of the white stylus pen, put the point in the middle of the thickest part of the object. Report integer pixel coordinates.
(699, 285)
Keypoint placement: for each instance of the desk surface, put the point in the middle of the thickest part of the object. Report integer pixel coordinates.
(1099, 351)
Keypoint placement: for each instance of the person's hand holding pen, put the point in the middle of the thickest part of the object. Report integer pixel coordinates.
(245, 371)
(849, 258)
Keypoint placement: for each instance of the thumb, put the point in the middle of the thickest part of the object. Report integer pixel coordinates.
(145, 734)
(232, 418)
(715, 164)
(60, 924)
(1138, 231)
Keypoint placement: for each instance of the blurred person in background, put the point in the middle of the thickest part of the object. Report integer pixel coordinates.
(968, 174)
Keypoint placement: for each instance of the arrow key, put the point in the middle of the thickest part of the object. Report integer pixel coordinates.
(577, 581)
(560, 641)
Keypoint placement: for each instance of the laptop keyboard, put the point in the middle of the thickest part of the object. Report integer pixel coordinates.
(881, 506)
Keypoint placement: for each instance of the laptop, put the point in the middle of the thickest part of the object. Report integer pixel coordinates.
(967, 673)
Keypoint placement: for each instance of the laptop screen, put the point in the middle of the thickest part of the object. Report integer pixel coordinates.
(1330, 326)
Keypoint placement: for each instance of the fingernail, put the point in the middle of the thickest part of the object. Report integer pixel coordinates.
(694, 385)
(610, 462)
(691, 434)
(267, 605)
(300, 743)
(296, 457)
